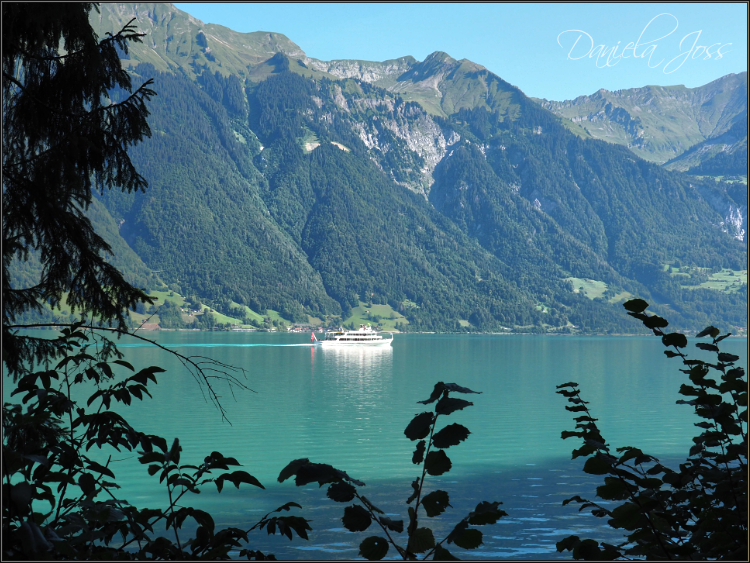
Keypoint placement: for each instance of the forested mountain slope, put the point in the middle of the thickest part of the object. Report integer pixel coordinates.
(282, 182)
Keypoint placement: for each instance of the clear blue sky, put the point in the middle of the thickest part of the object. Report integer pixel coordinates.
(528, 45)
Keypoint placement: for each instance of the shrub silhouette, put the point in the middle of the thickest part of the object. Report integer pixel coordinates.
(430, 455)
(696, 512)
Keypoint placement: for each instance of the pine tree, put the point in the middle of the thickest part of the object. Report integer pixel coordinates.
(64, 137)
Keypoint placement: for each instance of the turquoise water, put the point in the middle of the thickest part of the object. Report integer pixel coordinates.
(349, 408)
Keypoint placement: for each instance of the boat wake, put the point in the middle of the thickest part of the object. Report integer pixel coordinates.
(218, 345)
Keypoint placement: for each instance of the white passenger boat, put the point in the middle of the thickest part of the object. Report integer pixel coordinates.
(364, 336)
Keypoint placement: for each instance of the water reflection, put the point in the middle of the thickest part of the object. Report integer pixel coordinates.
(362, 362)
(356, 379)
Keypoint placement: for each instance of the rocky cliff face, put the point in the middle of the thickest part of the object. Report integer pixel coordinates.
(371, 72)
(734, 214)
(404, 140)
(418, 131)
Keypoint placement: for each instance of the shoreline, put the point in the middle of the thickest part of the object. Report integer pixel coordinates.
(689, 334)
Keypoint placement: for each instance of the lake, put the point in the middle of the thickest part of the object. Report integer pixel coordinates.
(349, 408)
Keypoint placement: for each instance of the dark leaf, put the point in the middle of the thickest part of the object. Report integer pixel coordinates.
(291, 469)
(421, 540)
(585, 419)
(87, 483)
(437, 463)
(639, 316)
(174, 451)
(613, 489)
(435, 503)
(584, 450)
(316, 472)
(486, 513)
(442, 554)
(597, 466)
(341, 492)
(568, 544)
(288, 523)
(92, 465)
(285, 507)
(237, 477)
(151, 457)
(356, 518)
(706, 346)
(728, 358)
(94, 396)
(631, 453)
(732, 385)
(457, 531)
(54, 476)
(124, 364)
(655, 321)
(635, 305)
(610, 552)
(628, 516)
(373, 548)
(451, 435)
(418, 455)
(459, 389)
(145, 443)
(40, 459)
(446, 405)
(649, 483)
(20, 494)
(471, 538)
(420, 425)
(415, 486)
(322, 473)
(204, 519)
(393, 525)
(159, 442)
(708, 331)
(670, 354)
(435, 395)
(588, 550)
(674, 339)
(735, 373)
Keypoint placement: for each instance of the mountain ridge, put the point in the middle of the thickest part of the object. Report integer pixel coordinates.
(444, 192)
(658, 123)
(443, 85)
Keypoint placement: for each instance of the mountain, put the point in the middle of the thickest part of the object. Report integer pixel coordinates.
(440, 84)
(308, 187)
(177, 41)
(724, 154)
(658, 123)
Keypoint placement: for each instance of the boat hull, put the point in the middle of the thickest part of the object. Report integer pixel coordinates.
(338, 344)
